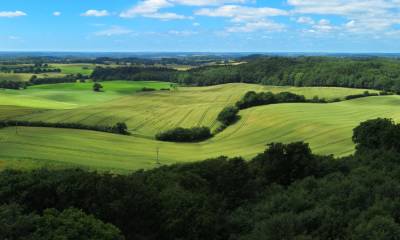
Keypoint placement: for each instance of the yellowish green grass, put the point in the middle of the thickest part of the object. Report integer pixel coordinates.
(150, 112)
(327, 127)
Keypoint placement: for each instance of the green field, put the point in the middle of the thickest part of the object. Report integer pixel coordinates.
(149, 112)
(85, 69)
(327, 127)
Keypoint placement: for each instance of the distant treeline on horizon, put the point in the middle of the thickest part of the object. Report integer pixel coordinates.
(370, 73)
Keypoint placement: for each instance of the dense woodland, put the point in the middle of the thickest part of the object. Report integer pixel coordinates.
(286, 192)
(372, 73)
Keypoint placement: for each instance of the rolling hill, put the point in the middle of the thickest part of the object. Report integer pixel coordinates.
(327, 127)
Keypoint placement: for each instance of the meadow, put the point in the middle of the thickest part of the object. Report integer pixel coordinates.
(327, 127)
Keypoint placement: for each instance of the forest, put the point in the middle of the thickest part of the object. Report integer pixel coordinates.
(286, 192)
(369, 73)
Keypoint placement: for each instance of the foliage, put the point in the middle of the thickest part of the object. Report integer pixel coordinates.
(97, 87)
(371, 73)
(70, 224)
(133, 73)
(228, 115)
(286, 192)
(195, 134)
(365, 94)
(55, 80)
(118, 128)
(12, 85)
(252, 99)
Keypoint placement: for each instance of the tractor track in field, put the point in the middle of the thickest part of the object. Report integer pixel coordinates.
(103, 120)
(149, 119)
(90, 116)
(215, 121)
(26, 115)
(184, 118)
(242, 123)
(203, 116)
(111, 154)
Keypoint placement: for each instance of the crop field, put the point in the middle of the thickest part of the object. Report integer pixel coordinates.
(327, 127)
(85, 69)
(146, 113)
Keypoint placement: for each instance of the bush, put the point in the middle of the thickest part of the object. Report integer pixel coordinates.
(195, 134)
(228, 115)
(252, 99)
(365, 94)
(97, 87)
(146, 89)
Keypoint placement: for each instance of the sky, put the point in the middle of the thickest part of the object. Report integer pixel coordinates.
(201, 25)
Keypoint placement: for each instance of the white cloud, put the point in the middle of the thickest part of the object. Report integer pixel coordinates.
(305, 20)
(166, 16)
(56, 14)
(95, 13)
(246, 19)
(113, 31)
(363, 16)
(324, 26)
(206, 2)
(12, 14)
(151, 8)
(241, 13)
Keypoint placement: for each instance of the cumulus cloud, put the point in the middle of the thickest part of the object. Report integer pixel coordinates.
(10, 14)
(246, 19)
(95, 13)
(305, 20)
(241, 13)
(151, 8)
(56, 14)
(363, 16)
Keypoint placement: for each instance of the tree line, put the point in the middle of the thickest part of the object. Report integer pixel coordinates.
(251, 99)
(118, 128)
(371, 73)
(286, 192)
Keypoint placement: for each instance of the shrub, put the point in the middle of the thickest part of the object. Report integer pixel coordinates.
(146, 89)
(252, 99)
(195, 134)
(97, 87)
(228, 115)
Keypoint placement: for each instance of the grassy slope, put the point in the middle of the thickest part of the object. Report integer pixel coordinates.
(150, 112)
(326, 126)
(71, 95)
(85, 69)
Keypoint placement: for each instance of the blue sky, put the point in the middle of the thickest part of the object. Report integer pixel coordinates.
(201, 25)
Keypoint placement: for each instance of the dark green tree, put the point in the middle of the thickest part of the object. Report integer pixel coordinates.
(97, 87)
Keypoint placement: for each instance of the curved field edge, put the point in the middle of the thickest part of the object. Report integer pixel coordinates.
(327, 127)
(147, 113)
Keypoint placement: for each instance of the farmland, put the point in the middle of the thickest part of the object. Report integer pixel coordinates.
(327, 127)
